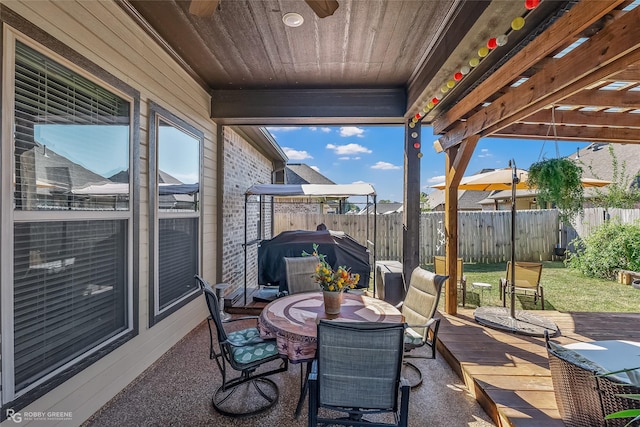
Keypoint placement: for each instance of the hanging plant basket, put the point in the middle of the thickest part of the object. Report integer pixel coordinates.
(559, 183)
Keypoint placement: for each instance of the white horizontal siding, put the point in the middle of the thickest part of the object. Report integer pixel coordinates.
(103, 33)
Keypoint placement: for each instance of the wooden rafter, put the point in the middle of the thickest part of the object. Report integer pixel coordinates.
(613, 49)
(583, 118)
(571, 133)
(568, 27)
(604, 98)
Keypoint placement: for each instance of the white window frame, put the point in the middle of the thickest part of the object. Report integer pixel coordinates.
(9, 216)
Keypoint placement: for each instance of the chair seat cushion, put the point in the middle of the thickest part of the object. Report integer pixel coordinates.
(248, 353)
(411, 337)
(243, 336)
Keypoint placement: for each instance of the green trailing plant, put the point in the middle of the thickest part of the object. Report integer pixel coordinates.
(612, 246)
(559, 183)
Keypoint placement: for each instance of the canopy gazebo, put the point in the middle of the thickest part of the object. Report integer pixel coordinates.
(325, 191)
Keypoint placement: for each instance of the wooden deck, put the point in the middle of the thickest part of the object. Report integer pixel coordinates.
(507, 373)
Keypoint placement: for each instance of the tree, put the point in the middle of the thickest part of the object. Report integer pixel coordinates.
(424, 202)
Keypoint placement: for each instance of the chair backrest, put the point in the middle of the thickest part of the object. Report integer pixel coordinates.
(214, 307)
(440, 266)
(359, 364)
(527, 274)
(422, 297)
(299, 271)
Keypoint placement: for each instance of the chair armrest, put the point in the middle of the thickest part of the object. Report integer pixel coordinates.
(427, 324)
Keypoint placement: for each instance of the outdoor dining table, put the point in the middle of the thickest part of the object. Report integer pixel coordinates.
(292, 321)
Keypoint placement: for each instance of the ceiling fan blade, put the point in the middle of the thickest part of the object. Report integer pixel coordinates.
(203, 8)
(323, 8)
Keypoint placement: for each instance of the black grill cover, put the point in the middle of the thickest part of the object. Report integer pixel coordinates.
(340, 249)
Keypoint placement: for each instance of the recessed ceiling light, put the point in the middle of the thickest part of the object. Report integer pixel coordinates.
(292, 19)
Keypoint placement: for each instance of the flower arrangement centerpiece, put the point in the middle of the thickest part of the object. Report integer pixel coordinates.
(332, 282)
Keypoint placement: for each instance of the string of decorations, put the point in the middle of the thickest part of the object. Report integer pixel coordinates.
(516, 24)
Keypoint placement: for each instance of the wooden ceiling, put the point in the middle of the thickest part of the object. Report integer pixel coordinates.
(382, 61)
(374, 61)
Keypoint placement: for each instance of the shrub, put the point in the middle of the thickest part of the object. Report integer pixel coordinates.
(611, 247)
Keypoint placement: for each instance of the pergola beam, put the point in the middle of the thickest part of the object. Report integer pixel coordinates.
(457, 160)
(582, 118)
(571, 133)
(606, 53)
(567, 27)
(604, 98)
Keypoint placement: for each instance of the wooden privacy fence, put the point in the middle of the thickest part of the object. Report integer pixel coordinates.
(592, 218)
(483, 237)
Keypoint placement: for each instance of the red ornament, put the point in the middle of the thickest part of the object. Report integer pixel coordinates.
(418, 116)
(492, 43)
(531, 4)
(416, 145)
(435, 101)
(457, 76)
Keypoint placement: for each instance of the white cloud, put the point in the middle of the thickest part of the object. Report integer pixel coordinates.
(342, 150)
(485, 153)
(315, 168)
(296, 154)
(325, 129)
(385, 166)
(344, 158)
(436, 179)
(347, 131)
(313, 128)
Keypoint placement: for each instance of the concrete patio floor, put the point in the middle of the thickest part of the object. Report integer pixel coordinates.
(177, 391)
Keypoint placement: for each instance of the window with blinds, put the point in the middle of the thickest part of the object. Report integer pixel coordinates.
(176, 167)
(71, 139)
(70, 261)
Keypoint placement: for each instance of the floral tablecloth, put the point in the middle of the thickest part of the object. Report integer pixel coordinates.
(292, 320)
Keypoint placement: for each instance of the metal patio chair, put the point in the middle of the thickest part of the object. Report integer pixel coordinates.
(357, 373)
(240, 357)
(299, 271)
(527, 280)
(418, 308)
(439, 267)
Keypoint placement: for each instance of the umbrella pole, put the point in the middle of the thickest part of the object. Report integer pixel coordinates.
(514, 181)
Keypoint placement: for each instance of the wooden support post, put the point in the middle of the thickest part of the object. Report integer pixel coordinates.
(456, 163)
(411, 212)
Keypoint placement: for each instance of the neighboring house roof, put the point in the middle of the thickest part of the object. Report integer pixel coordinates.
(382, 208)
(467, 200)
(596, 161)
(506, 194)
(300, 173)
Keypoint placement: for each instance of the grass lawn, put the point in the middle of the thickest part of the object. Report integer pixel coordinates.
(564, 290)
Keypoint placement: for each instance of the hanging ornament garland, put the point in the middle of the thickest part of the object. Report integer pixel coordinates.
(516, 24)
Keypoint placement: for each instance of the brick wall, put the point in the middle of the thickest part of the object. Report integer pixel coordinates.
(243, 167)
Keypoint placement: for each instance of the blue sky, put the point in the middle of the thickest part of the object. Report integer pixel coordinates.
(375, 154)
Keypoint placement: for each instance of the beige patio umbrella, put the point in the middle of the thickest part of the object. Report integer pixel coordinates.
(513, 179)
(501, 179)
